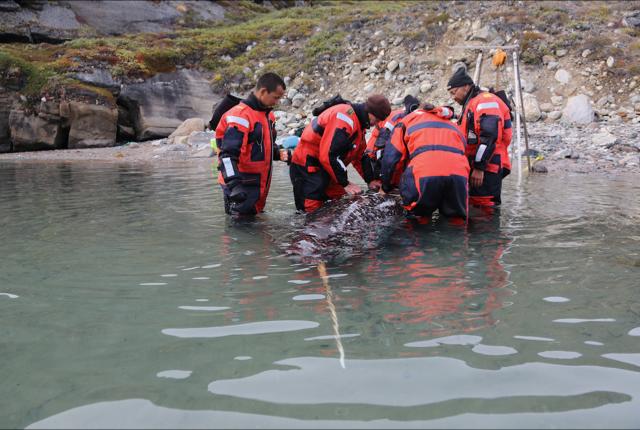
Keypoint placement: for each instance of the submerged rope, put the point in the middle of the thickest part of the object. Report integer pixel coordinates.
(322, 270)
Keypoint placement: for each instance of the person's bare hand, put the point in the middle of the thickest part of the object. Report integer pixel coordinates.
(352, 189)
(477, 177)
(375, 185)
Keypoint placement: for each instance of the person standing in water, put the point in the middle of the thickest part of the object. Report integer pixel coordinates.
(246, 139)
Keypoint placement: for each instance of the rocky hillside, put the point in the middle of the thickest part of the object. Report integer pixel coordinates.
(131, 76)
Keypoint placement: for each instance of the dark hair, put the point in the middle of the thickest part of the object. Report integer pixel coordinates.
(271, 82)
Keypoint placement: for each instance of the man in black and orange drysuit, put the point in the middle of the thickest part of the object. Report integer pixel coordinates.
(246, 141)
(486, 121)
(380, 136)
(436, 176)
(333, 140)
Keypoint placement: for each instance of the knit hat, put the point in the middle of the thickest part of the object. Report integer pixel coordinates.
(410, 103)
(459, 79)
(378, 106)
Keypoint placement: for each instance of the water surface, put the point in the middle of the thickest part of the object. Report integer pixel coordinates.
(127, 299)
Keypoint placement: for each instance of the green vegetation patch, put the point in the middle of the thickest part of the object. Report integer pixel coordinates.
(25, 76)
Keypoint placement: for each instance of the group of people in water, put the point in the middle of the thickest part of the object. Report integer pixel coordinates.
(436, 159)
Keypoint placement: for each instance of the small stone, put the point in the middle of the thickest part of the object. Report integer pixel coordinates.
(586, 53)
(554, 115)
(392, 65)
(563, 76)
(561, 52)
(610, 62)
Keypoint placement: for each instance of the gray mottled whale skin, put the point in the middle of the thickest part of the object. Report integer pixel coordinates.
(346, 227)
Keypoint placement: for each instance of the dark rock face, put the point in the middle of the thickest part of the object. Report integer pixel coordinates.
(55, 22)
(159, 105)
(6, 103)
(346, 227)
(33, 132)
(92, 126)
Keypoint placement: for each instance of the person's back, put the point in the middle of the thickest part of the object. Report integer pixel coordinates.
(436, 176)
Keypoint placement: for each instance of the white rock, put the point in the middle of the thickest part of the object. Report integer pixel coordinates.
(425, 86)
(561, 52)
(298, 100)
(414, 91)
(610, 62)
(578, 110)
(546, 107)
(586, 53)
(392, 65)
(604, 138)
(554, 115)
(557, 100)
(397, 101)
(563, 76)
(531, 107)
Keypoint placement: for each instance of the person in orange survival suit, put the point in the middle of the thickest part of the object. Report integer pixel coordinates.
(246, 135)
(380, 136)
(486, 121)
(436, 176)
(328, 144)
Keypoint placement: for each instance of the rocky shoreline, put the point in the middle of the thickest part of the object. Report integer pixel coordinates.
(554, 150)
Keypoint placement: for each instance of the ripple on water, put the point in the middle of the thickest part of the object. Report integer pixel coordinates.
(593, 342)
(298, 281)
(204, 308)
(493, 350)
(11, 296)
(262, 327)
(582, 320)
(634, 332)
(556, 299)
(332, 336)
(201, 278)
(337, 275)
(561, 355)
(212, 266)
(191, 268)
(149, 284)
(541, 339)
(309, 297)
(169, 275)
(257, 278)
(174, 374)
(460, 339)
(243, 358)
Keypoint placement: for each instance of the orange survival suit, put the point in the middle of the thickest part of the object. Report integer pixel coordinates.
(436, 176)
(246, 140)
(486, 121)
(328, 144)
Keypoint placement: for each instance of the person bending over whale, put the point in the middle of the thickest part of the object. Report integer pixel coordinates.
(379, 138)
(333, 140)
(436, 176)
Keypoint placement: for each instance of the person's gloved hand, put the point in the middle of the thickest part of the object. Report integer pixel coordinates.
(237, 194)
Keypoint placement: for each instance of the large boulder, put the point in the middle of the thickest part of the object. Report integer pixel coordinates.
(92, 126)
(159, 105)
(185, 129)
(33, 132)
(578, 110)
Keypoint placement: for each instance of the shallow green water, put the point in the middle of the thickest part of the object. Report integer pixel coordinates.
(128, 300)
